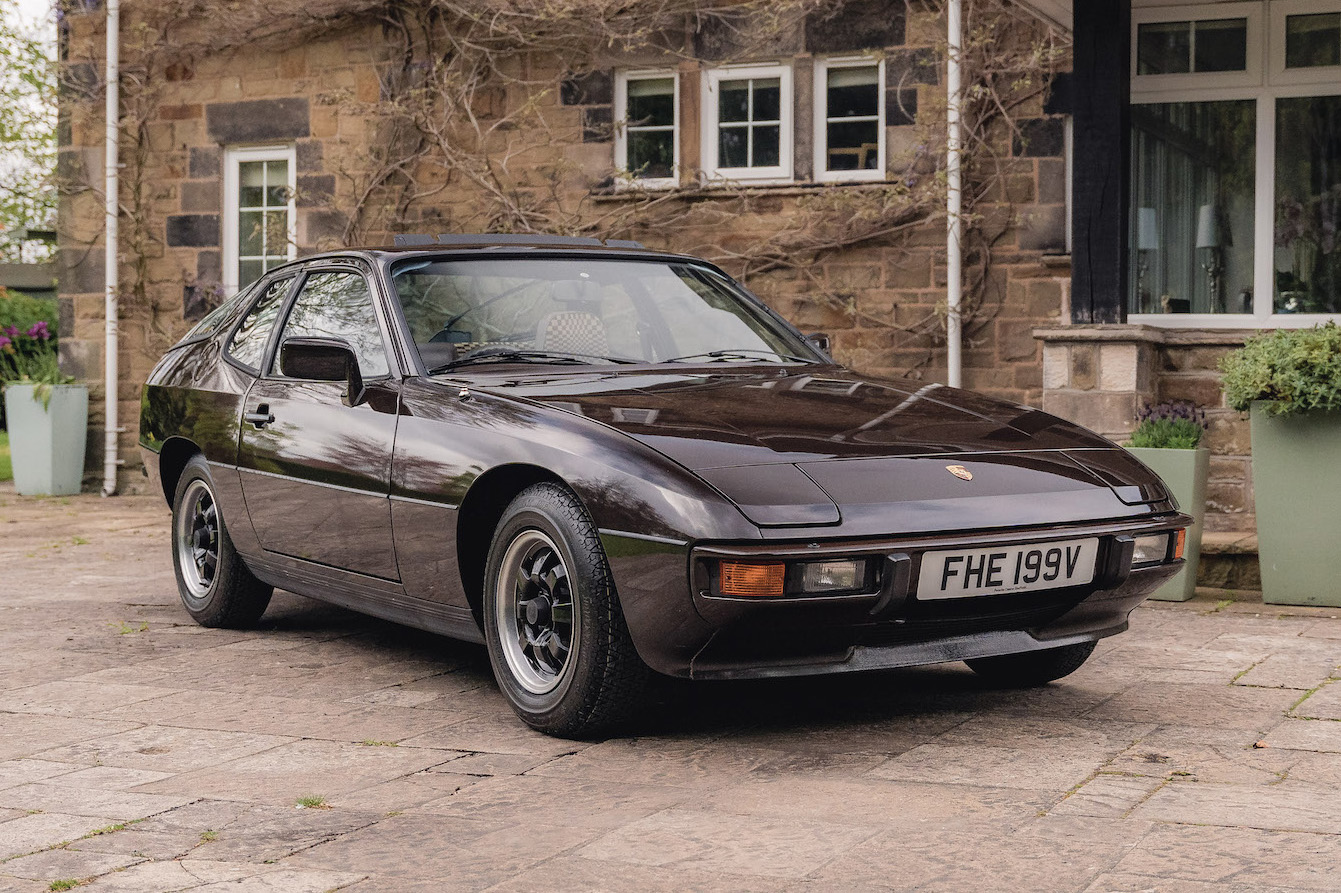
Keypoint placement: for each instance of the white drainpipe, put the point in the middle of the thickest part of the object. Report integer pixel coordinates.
(110, 271)
(954, 257)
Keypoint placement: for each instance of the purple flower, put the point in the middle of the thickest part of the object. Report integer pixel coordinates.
(12, 331)
(5, 343)
(39, 330)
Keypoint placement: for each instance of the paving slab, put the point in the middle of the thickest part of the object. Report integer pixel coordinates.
(140, 753)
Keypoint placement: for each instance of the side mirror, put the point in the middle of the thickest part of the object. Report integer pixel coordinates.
(820, 340)
(323, 359)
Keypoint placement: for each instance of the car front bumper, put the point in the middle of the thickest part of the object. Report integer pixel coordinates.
(682, 630)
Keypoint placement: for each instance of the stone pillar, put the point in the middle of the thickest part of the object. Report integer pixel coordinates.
(1099, 376)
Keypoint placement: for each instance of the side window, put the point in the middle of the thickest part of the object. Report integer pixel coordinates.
(248, 344)
(340, 305)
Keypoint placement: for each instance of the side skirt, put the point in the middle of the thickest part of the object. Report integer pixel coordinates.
(367, 595)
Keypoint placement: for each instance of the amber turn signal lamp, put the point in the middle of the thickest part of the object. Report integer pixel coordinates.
(752, 579)
(1179, 544)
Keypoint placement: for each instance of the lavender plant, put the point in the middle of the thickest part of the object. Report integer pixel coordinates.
(1173, 425)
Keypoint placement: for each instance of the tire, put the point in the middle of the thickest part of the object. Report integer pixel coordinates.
(217, 589)
(556, 635)
(1033, 668)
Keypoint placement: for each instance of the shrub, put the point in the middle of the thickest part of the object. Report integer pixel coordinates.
(20, 311)
(1170, 426)
(1293, 371)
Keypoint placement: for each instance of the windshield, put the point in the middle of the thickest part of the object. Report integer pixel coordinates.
(584, 310)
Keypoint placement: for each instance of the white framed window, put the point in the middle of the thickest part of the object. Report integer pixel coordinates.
(849, 119)
(647, 128)
(1236, 182)
(259, 213)
(747, 123)
(1216, 45)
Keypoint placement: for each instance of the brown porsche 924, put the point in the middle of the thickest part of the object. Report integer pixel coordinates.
(607, 463)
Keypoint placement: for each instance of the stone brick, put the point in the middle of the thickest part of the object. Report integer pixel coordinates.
(80, 359)
(183, 112)
(206, 161)
(209, 266)
(315, 191)
(1056, 366)
(1040, 138)
(1109, 414)
(1015, 340)
(1229, 434)
(79, 270)
(592, 88)
(908, 67)
(258, 120)
(715, 41)
(900, 106)
(193, 231)
(1043, 228)
(1051, 181)
(598, 124)
(1119, 367)
(321, 228)
(1226, 497)
(309, 156)
(200, 196)
(1203, 389)
(1084, 367)
(855, 25)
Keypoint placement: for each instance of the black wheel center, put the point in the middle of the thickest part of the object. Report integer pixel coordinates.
(538, 611)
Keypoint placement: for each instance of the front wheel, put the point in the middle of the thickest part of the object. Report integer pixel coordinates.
(557, 640)
(216, 588)
(1033, 668)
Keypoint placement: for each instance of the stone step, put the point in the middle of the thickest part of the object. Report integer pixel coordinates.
(1229, 562)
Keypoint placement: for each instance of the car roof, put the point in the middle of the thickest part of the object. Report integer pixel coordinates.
(486, 244)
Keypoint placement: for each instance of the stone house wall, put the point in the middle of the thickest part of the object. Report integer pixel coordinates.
(317, 96)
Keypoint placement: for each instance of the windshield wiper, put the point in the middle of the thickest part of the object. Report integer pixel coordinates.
(516, 355)
(741, 353)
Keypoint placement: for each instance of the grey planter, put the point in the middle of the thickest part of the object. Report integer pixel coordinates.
(1185, 473)
(1297, 486)
(46, 444)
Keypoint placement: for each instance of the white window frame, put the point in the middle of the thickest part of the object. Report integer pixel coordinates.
(712, 79)
(822, 68)
(1279, 74)
(1264, 92)
(1251, 75)
(626, 179)
(233, 158)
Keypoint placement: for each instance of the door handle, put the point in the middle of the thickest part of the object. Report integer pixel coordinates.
(261, 417)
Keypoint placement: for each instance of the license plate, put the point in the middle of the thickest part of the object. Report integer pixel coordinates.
(966, 573)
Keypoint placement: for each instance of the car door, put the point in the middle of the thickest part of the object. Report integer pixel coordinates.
(315, 472)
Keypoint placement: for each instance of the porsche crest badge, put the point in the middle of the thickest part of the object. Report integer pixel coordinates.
(960, 472)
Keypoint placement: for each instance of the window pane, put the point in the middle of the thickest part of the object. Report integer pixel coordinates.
(853, 91)
(250, 234)
(249, 340)
(732, 147)
(651, 155)
(1222, 45)
(339, 305)
(735, 101)
(652, 102)
(1313, 40)
(1308, 205)
(251, 183)
(276, 183)
(766, 151)
(1192, 207)
(277, 233)
(853, 145)
(767, 100)
(1164, 48)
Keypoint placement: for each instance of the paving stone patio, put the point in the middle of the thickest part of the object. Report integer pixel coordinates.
(1201, 751)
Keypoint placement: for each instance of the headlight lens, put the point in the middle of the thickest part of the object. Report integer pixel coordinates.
(831, 576)
(1150, 550)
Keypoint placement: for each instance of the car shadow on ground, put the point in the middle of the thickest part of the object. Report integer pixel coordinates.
(943, 693)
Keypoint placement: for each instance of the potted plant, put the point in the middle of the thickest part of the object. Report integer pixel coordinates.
(46, 415)
(1289, 381)
(1168, 439)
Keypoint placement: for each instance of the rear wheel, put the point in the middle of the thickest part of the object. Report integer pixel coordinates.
(1032, 668)
(556, 635)
(216, 588)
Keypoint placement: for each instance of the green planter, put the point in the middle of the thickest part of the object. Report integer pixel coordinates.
(1185, 473)
(1297, 486)
(46, 443)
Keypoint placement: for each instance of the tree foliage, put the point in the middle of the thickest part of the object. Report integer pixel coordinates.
(27, 134)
